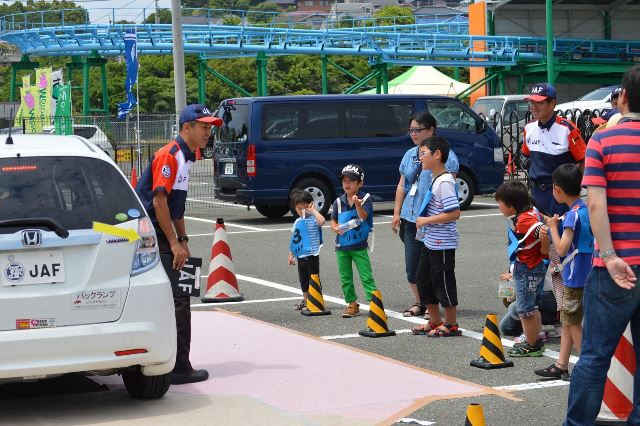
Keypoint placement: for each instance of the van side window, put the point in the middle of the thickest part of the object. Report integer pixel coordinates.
(450, 115)
(306, 120)
(377, 119)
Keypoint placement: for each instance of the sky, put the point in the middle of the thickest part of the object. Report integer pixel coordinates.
(132, 10)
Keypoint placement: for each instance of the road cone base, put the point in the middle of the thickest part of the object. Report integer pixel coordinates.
(482, 363)
(238, 298)
(308, 313)
(370, 333)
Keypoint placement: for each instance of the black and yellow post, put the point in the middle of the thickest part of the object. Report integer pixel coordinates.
(491, 351)
(377, 321)
(475, 415)
(315, 301)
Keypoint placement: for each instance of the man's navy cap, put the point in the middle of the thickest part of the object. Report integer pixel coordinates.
(198, 112)
(604, 116)
(616, 91)
(353, 172)
(541, 92)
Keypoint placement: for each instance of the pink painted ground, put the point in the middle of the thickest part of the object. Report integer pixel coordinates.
(305, 376)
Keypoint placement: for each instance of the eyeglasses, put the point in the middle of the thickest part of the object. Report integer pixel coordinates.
(416, 130)
(424, 153)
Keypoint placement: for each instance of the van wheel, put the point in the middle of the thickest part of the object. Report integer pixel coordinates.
(319, 191)
(272, 212)
(207, 152)
(466, 189)
(140, 386)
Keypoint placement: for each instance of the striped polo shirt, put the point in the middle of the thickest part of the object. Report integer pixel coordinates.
(613, 162)
(442, 236)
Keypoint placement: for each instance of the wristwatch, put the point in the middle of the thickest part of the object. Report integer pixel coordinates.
(183, 238)
(606, 253)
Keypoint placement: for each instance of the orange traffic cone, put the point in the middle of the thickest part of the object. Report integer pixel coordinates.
(511, 167)
(134, 177)
(617, 400)
(222, 284)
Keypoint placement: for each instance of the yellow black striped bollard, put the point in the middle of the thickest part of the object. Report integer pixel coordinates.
(377, 320)
(475, 415)
(315, 301)
(491, 351)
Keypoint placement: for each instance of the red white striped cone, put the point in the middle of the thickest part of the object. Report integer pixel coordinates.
(617, 401)
(134, 177)
(222, 285)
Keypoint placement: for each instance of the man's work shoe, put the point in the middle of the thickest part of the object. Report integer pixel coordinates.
(192, 376)
(351, 311)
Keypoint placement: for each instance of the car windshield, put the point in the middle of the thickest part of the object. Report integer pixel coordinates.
(596, 95)
(75, 191)
(484, 106)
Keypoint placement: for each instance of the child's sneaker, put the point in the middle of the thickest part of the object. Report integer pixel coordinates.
(352, 310)
(525, 349)
(556, 332)
(522, 338)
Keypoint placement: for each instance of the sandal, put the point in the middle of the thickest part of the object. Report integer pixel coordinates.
(415, 310)
(422, 329)
(553, 372)
(300, 306)
(445, 330)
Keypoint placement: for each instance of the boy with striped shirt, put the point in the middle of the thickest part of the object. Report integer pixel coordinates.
(435, 278)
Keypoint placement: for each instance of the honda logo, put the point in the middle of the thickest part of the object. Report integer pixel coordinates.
(32, 237)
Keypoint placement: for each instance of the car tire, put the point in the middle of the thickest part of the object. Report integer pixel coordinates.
(272, 212)
(466, 189)
(322, 195)
(207, 152)
(140, 386)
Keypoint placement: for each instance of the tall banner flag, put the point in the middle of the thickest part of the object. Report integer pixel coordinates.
(57, 80)
(31, 109)
(62, 121)
(131, 60)
(44, 87)
(26, 82)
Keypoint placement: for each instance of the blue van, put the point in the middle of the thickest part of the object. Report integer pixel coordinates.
(271, 145)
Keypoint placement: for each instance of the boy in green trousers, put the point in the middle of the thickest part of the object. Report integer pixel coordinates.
(352, 220)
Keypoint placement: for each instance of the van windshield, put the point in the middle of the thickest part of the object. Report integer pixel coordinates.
(236, 123)
(484, 106)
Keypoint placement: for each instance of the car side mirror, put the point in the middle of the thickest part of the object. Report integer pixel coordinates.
(481, 125)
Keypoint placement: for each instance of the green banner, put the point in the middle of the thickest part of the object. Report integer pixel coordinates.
(62, 121)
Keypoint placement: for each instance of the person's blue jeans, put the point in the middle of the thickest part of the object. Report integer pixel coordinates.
(607, 311)
(412, 249)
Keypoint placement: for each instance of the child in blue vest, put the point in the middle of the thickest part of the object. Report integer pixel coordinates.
(576, 246)
(352, 220)
(306, 241)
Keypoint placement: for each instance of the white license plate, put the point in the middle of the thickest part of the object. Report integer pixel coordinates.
(228, 168)
(32, 267)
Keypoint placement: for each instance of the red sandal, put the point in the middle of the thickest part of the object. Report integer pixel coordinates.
(445, 330)
(422, 329)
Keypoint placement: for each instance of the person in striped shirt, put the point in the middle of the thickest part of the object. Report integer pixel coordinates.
(306, 241)
(611, 298)
(435, 277)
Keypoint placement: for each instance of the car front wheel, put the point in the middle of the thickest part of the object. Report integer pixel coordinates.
(319, 191)
(207, 152)
(466, 189)
(140, 386)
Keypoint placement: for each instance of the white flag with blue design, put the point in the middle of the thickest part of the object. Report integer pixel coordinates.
(131, 60)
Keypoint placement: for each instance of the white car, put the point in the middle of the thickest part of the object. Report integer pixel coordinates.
(75, 296)
(598, 99)
(94, 135)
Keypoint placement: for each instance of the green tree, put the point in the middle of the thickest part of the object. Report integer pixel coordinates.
(231, 20)
(164, 17)
(394, 15)
(262, 13)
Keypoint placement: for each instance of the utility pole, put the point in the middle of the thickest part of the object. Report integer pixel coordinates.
(178, 57)
(157, 15)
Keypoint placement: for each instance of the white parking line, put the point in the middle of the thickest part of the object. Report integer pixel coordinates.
(415, 421)
(542, 384)
(280, 299)
(252, 228)
(391, 314)
(350, 336)
(484, 204)
(217, 203)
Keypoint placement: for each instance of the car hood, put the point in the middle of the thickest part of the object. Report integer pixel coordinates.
(582, 105)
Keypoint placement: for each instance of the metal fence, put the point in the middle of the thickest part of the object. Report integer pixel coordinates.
(510, 130)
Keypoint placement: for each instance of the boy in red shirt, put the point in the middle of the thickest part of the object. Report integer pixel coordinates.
(527, 250)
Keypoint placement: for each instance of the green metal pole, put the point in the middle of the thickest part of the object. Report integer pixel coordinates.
(201, 81)
(549, 17)
(501, 83)
(105, 91)
(85, 88)
(385, 78)
(607, 25)
(456, 73)
(12, 84)
(261, 63)
(323, 71)
(491, 29)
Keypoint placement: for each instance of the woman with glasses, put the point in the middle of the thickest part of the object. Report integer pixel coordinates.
(412, 187)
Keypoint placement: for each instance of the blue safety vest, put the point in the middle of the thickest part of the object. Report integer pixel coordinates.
(514, 245)
(356, 235)
(427, 197)
(585, 239)
(301, 244)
